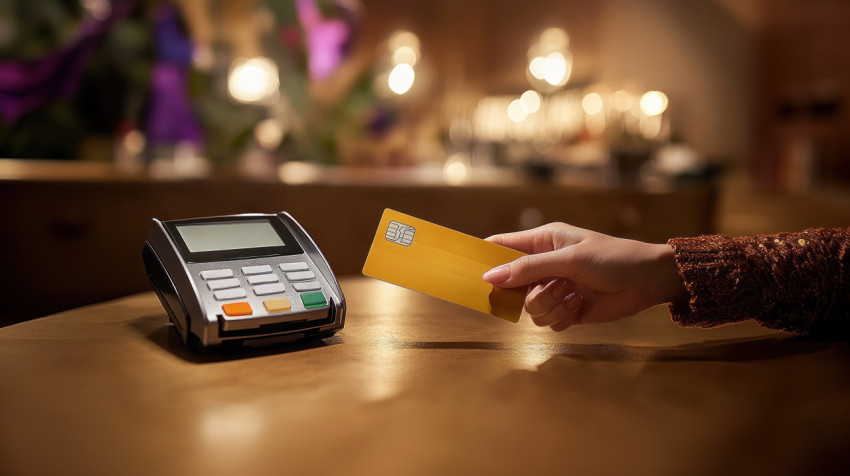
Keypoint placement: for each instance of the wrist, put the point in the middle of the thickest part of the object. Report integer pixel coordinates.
(665, 283)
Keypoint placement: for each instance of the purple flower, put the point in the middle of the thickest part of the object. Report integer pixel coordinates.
(326, 39)
(26, 85)
(170, 117)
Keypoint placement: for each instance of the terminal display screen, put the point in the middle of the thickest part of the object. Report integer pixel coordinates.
(221, 236)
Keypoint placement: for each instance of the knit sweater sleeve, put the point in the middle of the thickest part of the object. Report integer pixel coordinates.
(796, 282)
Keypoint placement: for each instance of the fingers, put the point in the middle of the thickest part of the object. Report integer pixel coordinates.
(539, 240)
(574, 318)
(531, 268)
(579, 306)
(555, 304)
(543, 297)
(528, 241)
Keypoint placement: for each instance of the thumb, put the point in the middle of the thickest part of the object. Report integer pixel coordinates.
(531, 268)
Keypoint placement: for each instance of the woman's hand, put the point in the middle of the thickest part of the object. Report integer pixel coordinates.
(577, 276)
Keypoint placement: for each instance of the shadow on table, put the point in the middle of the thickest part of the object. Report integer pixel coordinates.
(168, 339)
(730, 350)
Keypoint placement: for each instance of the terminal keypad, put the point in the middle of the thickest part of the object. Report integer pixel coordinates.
(263, 281)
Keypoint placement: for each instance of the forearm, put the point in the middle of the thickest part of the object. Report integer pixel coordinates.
(789, 281)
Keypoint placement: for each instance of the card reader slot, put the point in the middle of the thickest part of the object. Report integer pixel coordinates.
(258, 341)
(276, 328)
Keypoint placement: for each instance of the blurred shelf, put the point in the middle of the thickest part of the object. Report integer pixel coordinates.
(60, 170)
(301, 173)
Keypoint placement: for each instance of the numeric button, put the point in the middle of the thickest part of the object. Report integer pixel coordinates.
(263, 278)
(226, 294)
(300, 276)
(223, 284)
(265, 289)
(216, 274)
(310, 286)
(261, 269)
(296, 266)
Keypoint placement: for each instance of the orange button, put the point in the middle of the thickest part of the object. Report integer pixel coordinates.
(237, 309)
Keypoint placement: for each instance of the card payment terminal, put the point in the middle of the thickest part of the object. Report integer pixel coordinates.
(242, 280)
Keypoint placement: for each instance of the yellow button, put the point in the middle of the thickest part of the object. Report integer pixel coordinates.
(277, 305)
(237, 309)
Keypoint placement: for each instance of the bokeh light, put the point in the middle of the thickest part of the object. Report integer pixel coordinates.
(269, 133)
(530, 101)
(550, 61)
(555, 69)
(98, 9)
(622, 100)
(456, 169)
(560, 116)
(405, 55)
(650, 127)
(401, 39)
(653, 103)
(401, 78)
(399, 54)
(253, 80)
(555, 38)
(536, 65)
(134, 142)
(592, 103)
(516, 112)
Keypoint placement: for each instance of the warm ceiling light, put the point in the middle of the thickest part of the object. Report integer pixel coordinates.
(253, 80)
(401, 78)
(653, 103)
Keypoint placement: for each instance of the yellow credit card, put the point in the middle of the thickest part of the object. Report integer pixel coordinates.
(443, 263)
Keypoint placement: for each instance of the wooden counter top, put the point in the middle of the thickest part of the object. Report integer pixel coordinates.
(413, 385)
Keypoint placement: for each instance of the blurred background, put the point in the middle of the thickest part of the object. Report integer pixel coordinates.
(646, 119)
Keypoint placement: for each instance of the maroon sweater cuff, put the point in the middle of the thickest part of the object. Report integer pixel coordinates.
(789, 281)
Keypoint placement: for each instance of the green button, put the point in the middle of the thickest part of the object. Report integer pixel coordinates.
(313, 300)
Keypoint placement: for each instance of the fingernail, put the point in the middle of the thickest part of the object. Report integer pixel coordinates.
(560, 290)
(572, 301)
(497, 274)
